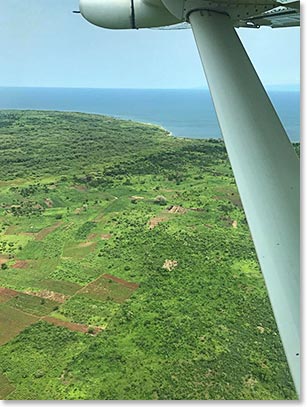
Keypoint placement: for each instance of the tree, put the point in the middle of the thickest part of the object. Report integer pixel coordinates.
(160, 200)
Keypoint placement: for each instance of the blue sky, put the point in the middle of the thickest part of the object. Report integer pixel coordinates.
(44, 44)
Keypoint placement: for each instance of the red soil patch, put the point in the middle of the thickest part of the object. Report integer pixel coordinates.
(71, 325)
(44, 232)
(6, 294)
(3, 259)
(20, 264)
(128, 284)
(156, 220)
(106, 236)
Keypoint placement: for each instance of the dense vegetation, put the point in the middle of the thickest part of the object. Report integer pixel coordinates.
(127, 267)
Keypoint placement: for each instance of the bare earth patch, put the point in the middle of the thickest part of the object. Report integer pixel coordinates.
(197, 209)
(49, 295)
(106, 236)
(170, 265)
(177, 209)
(260, 329)
(3, 260)
(44, 232)
(156, 220)
(49, 202)
(6, 294)
(92, 236)
(72, 326)
(136, 198)
(20, 264)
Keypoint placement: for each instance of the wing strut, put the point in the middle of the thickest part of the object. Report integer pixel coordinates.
(265, 165)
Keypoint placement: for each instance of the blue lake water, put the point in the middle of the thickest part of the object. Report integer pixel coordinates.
(184, 112)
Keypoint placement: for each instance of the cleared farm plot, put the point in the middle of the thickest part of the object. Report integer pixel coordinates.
(71, 325)
(13, 321)
(6, 294)
(32, 304)
(5, 387)
(105, 288)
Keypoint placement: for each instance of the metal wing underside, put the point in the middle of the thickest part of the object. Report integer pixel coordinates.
(284, 13)
(281, 16)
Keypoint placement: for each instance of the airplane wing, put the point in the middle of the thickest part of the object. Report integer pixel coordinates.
(282, 13)
(287, 15)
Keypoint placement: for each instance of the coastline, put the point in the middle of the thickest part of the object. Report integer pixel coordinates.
(182, 113)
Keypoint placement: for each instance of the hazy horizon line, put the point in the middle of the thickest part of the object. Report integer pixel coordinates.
(292, 86)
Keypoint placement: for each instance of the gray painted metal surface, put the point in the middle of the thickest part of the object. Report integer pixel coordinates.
(265, 165)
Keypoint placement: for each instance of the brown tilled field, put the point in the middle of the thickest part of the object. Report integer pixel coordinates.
(71, 325)
(13, 321)
(6, 294)
(133, 286)
(20, 264)
(44, 232)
